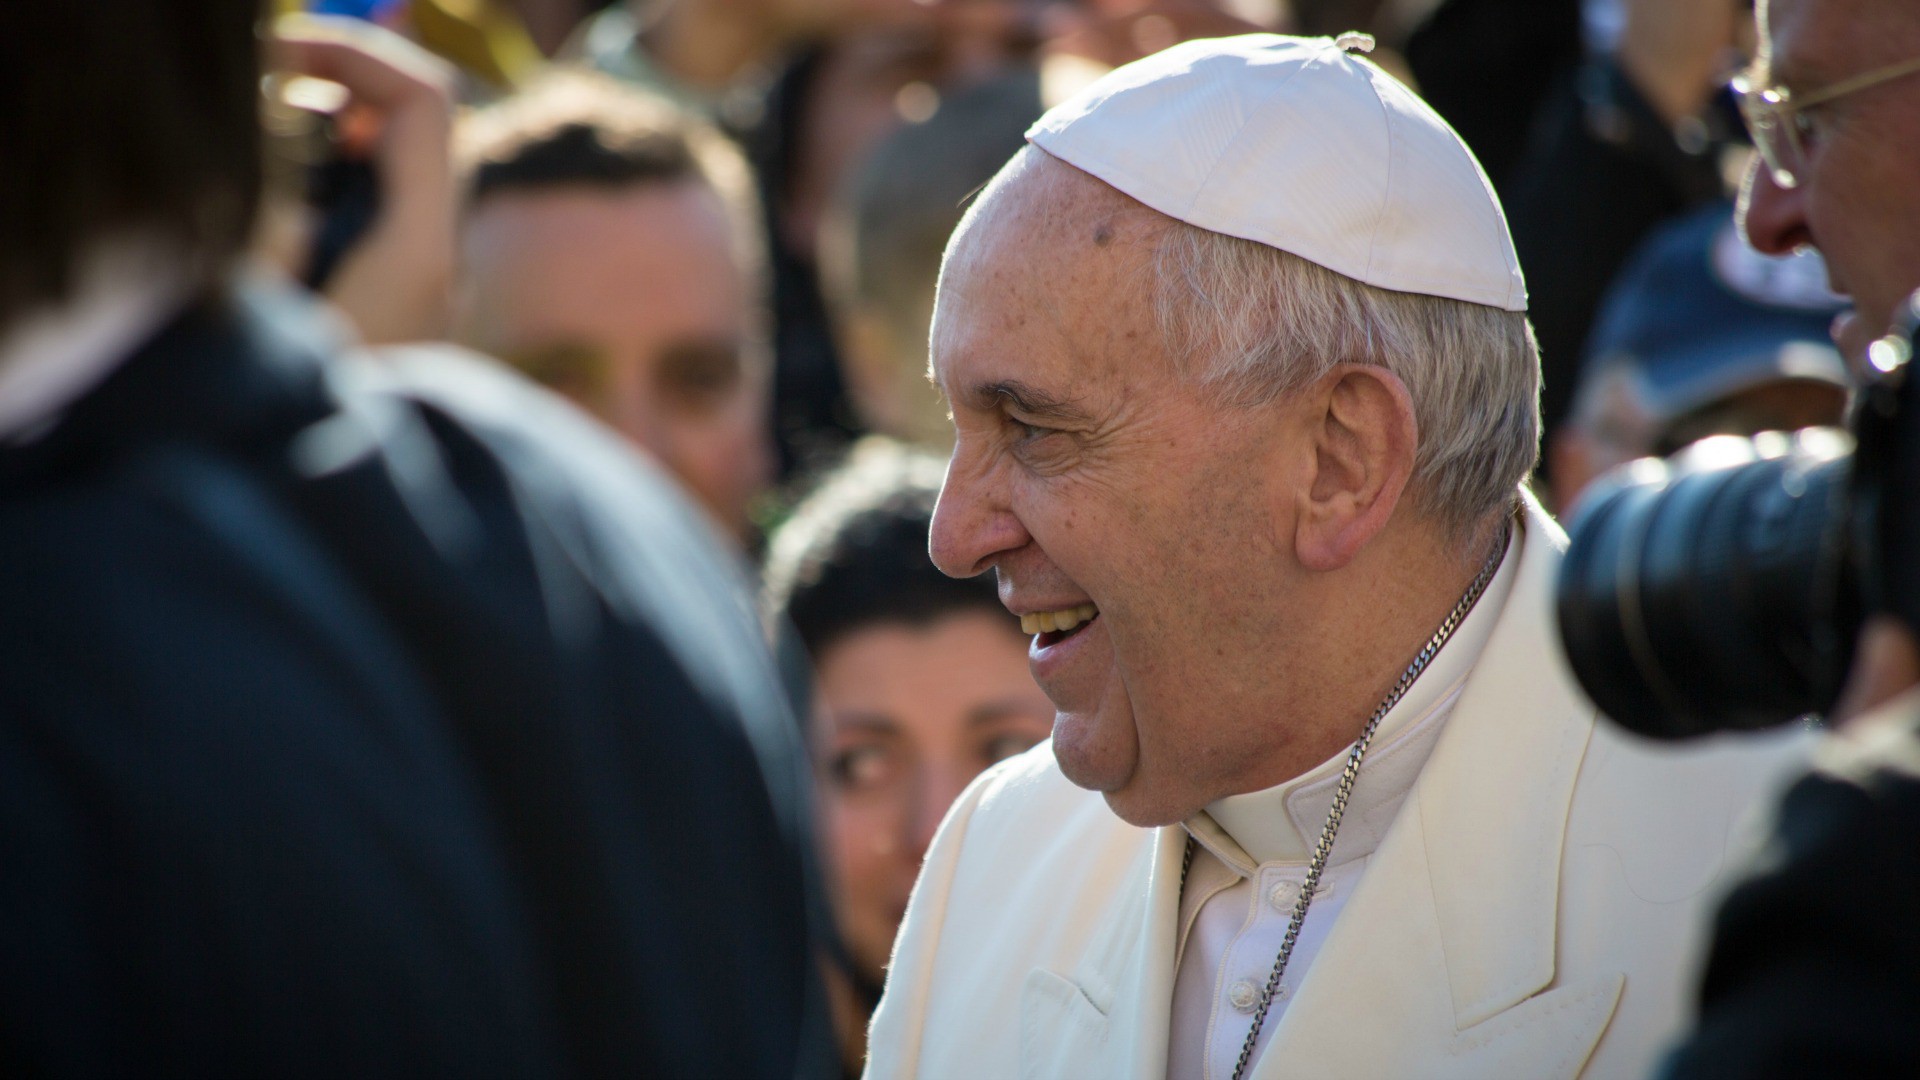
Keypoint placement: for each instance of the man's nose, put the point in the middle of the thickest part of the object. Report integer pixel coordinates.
(1774, 218)
(937, 791)
(972, 522)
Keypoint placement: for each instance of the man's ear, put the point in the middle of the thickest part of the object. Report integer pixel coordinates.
(1364, 440)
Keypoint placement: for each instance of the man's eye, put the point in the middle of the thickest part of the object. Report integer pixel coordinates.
(699, 377)
(577, 371)
(1810, 128)
(859, 767)
(1029, 432)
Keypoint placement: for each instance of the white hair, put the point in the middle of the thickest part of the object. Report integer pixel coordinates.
(1259, 322)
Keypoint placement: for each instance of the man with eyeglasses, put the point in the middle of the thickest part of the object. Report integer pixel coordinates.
(1815, 967)
(1834, 107)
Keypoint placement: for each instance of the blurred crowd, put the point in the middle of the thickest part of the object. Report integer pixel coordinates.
(716, 227)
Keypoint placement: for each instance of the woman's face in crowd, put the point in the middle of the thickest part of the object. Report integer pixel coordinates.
(906, 717)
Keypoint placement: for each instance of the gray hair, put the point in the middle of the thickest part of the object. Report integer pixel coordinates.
(1258, 322)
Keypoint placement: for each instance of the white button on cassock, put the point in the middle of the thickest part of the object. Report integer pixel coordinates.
(1284, 896)
(1243, 995)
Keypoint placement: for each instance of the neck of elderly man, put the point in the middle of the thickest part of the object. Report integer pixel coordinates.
(1265, 558)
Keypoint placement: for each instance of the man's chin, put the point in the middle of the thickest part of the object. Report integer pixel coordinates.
(1111, 766)
(1091, 771)
(1094, 755)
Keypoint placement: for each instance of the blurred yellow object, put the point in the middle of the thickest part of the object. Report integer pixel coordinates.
(483, 37)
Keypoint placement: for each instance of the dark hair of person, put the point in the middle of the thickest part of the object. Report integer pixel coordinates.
(138, 117)
(854, 553)
(576, 128)
(573, 128)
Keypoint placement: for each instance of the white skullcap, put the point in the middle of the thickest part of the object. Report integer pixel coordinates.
(1297, 144)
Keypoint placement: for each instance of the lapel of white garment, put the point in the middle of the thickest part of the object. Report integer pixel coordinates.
(1435, 964)
(1108, 1017)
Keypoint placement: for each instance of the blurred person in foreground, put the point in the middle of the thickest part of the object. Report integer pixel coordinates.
(610, 249)
(1700, 336)
(1322, 798)
(921, 683)
(1815, 965)
(358, 716)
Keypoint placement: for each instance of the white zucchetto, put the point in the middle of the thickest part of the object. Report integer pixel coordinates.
(1298, 144)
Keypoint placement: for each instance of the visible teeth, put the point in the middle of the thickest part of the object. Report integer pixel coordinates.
(1041, 622)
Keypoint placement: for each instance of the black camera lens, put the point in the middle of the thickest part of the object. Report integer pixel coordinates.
(1713, 592)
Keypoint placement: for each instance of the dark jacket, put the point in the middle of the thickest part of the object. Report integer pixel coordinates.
(1815, 968)
(374, 719)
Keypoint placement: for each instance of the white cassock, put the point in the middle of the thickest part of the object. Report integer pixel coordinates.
(1518, 890)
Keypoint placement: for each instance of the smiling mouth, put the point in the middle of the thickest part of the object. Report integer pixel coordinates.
(1057, 626)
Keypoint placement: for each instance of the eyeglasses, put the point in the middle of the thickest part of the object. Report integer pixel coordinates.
(1778, 122)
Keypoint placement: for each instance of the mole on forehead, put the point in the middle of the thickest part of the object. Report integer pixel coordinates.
(1130, 224)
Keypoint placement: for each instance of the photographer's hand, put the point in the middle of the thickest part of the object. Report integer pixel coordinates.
(395, 283)
(1886, 664)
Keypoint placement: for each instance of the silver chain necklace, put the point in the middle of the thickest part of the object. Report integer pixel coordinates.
(1324, 848)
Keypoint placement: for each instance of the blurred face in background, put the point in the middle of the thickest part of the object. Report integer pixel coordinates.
(907, 716)
(1854, 198)
(631, 301)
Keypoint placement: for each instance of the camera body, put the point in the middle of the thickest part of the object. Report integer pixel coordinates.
(1724, 589)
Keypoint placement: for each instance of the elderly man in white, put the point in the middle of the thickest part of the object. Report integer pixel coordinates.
(1245, 395)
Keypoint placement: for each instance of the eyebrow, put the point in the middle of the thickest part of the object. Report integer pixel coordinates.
(1028, 399)
(860, 721)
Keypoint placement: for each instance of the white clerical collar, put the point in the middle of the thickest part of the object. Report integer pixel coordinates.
(1282, 823)
(54, 356)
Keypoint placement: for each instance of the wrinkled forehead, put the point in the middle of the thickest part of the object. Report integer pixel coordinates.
(1807, 44)
(1044, 245)
(1041, 203)
(1777, 21)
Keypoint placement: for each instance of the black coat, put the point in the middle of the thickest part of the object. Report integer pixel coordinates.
(1815, 968)
(371, 720)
